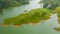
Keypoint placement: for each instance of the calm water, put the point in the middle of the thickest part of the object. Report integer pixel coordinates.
(45, 27)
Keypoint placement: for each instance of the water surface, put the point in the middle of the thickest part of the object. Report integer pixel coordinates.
(45, 27)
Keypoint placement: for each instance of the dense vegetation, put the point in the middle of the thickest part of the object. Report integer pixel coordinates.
(53, 6)
(57, 10)
(57, 29)
(33, 16)
(50, 4)
(11, 3)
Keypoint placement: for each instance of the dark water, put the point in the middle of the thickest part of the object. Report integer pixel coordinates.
(44, 27)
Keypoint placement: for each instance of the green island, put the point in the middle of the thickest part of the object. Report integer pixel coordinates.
(33, 16)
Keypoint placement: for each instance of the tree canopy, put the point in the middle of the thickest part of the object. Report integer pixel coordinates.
(33, 16)
(50, 4)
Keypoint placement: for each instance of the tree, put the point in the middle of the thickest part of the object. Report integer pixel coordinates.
(53, 3)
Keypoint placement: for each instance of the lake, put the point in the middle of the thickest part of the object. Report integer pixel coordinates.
(45, 27)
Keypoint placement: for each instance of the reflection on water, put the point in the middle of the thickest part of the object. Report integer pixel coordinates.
(42, 28)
